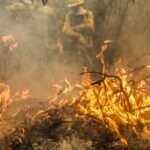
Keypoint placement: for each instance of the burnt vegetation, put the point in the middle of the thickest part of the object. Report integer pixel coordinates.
(46, 103)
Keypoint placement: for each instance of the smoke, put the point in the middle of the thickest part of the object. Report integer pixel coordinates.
(126, 22)
(136, 32)
(35, 64)
(27, 57)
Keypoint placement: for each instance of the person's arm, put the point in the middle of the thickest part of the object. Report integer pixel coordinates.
(88, 25)
(67, 28)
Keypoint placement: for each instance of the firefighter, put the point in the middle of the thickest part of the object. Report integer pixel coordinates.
(78, 29)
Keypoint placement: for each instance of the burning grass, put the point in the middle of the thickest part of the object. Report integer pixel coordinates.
(109, 113)
(121, 97)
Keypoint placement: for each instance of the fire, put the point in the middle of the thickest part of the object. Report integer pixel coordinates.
(119, 97)
(5, 98)
(23, 94)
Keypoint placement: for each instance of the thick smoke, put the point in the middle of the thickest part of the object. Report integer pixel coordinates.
(36, 66)
(27, 57)
(126, 22)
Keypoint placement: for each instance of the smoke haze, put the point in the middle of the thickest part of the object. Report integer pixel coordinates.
(37, 67)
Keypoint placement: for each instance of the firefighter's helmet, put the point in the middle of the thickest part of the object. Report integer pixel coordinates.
(75, 3)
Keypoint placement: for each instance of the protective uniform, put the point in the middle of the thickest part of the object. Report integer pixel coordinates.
(78, 28)
(79, 23)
